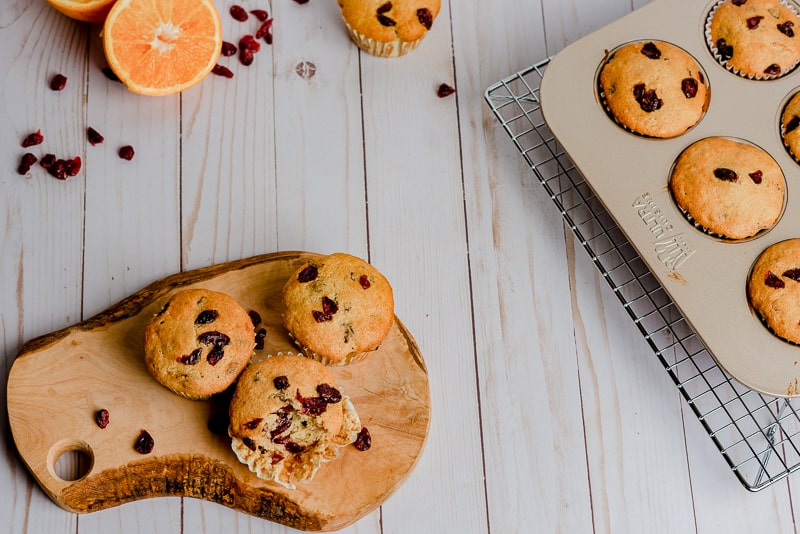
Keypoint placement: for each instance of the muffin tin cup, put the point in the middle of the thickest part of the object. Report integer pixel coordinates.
(704, 276)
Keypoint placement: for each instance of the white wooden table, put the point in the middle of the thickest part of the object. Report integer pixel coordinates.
(550, 412)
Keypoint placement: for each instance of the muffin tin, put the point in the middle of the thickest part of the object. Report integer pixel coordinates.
(706, 277)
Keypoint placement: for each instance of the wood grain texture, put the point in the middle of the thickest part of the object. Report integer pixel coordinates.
(61, 380)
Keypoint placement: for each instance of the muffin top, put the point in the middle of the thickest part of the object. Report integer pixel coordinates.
(790, 126)
(383, 20)
(287, 417)
(730, 188)
(338, 307)
(198, 343)
(755, 38)
(774, 288)
(653, 88)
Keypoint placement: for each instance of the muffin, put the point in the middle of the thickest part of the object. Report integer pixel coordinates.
(790, 120)
(653, 88)
(773, 289)
(199, 343)
(338, 308)
(388, 28)
(731, 189)
(287, 417)
(754, 38)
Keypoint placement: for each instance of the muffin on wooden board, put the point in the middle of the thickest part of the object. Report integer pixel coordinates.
(756, 39)
(773, 288)
(388, 28)
(287, 417)
(731, 189)
(339, 308)
(199, 343)
(653, 88)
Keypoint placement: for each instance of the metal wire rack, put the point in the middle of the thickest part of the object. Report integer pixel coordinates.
(758, 435)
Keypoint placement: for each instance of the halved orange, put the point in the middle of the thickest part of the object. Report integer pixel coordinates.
(160, 47)
(85, 10)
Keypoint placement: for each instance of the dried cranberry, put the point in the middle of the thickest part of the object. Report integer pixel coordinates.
(724, 50)
(689, 87)
(206, 317)
(215, 355)
(59, 81)
(144, 443)
(753, 22)
(281, 382)
(221, 70)
(363, 439)
(58, 169)
(25, 163)
(792, 124)
(228, 49)
(648, 99)
(191, 358)
(249, 42)
(738, 2)
(363, 280)
(792, 274)
(383, 19)
(94, 136)
(756, 176)
(308, 274)
(651, 51)
(218, 339)
(246, 57)
(101, 418)
(260, 14)
(276, 456)
(249, 443)
(425, 17)
(773, 70)
(33, 139)
(294, 448)
(251, 425)
(238, 13)
(726, 175)
(311, 405)
(265, 30)
(126, 152)
(786, 28)
(329, 394)
(329, 306)
(444, 90)
(282, 425)
(384, 8)
(260, 336)
(47, 160)
(73, 166)
(301, 1)
(773, 281)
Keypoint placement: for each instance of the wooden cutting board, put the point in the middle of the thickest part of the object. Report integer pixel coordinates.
(60, 380)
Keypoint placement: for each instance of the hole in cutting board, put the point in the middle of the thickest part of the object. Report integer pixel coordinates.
(70, 460)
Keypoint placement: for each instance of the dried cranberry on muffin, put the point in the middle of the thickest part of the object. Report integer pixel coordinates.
(653, 88)
(388, 28)
(756, 39)
(339, 308)
(199, 343)
(773, 289)
(287, 417)
(729, 188)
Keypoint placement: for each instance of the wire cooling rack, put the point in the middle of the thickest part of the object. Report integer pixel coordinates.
(757, 434)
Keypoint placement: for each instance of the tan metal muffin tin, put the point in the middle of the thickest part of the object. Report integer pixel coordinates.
(706, 277)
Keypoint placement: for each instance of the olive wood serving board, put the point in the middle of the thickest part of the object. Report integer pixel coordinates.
(58, 382)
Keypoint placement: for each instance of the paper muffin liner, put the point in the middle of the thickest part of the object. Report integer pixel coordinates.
(347, 360)
(601, 96)
(712, 47)
(395, 48)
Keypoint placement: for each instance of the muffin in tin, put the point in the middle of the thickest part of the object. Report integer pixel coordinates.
(756, 39)
(728, 188)
(790, 126)
(773, 289)
(653, 88)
